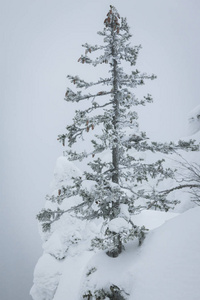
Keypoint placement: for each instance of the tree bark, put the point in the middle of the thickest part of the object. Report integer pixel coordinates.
(115, 150)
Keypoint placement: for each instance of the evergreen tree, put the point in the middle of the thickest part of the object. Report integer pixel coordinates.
(115, 183)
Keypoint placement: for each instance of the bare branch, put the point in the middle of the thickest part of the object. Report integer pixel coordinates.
(179, 187)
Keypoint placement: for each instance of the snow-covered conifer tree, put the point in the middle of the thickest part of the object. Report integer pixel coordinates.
(111, 187)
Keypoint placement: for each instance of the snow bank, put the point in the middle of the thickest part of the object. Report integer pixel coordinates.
(73, 268)
(118, 225)
(169, 263)
(166, 266)
(152, 219)
(103, 271)
(66, 245)
(46, 278)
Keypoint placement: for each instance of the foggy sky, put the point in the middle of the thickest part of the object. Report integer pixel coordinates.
(40, 44)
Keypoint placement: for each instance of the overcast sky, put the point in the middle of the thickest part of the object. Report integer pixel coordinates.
(40, 44)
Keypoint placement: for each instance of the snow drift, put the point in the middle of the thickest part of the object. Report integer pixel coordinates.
(166, 266)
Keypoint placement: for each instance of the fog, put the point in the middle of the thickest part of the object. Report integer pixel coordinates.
(40, 44)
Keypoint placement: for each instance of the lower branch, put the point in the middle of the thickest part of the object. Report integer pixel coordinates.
(179, 187)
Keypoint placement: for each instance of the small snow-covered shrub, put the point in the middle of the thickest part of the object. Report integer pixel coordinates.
(113, 293)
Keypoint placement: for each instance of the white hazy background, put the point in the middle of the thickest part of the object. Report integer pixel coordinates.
(40, 44)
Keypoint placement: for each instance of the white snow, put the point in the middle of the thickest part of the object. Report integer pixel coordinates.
(124, 211)
(64, 171)
(62, 240)
(54, 245)
(166, 266)
(73, 270)
(152, 219)
(118, 225)
(46, 278)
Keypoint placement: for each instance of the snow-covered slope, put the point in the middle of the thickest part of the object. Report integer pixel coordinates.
(168, 266)
(67, 246)
(165, 267)
(63, 237)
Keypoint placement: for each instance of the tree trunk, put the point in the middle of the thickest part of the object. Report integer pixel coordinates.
(118, 247)
(115, 150)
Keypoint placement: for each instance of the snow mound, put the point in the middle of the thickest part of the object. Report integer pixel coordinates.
(73, 268)
(152, 219)
(118, 225)
(46, 277)
(166, 266)
(169, 262)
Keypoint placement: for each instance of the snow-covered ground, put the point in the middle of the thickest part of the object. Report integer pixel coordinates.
(165, 267)
(168, 266)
